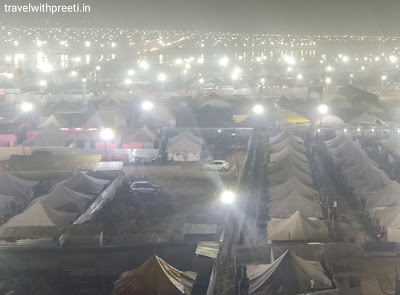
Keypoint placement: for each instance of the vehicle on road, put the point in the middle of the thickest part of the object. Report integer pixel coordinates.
(144, 188)
(216, 165)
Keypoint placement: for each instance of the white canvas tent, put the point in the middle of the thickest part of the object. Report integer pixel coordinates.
(297, 228)
(295, 202)
(82, 183)
(65, 200)
(287, 142)
(284, 135)
(288, 152)
(367, 119)
(155, 276)
(292, 185)
(284, 175)
(40, 215)
(185, 147)
(289, 274)
(14, 186)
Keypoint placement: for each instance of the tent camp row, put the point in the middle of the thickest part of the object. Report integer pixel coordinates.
(368, 183)
(61, 205)
(292, 199)
(185, 147)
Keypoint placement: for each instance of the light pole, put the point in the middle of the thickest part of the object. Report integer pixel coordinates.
(383, 79)
(258, 109)
(98, 68)
(106, 134)
(322, 109)
(162, 77)
(43, 85)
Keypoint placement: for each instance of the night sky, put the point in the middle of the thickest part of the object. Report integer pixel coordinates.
(270, 16)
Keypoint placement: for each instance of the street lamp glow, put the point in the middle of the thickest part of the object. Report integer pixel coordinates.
(384, 78)
(9, 75)
(234, 76)
(345, 130)
(144, 65)
(98, 68)
(323, 109)
(289, 59)
(358, 129)
(187, 66)
(393, 58)
(223, 61)
(200, 60)
(162, 77)
(237, 71)
(113, 44)
(289, 69)
(131, 72)
(16, 43)
(147, 105)
(26, 107)
(45, 67)
(299, 77)
(179, 61)
(345, 59)
(262, 80)
(43, 83)
(258, 109)
(329, 68)
(74, 73)
(201, 81)
(87, 43)
(128, 81)
(328, 80)
(227, 197)
(83, 80)
(107, 134)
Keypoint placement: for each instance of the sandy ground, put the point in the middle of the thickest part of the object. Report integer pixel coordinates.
(190, 190)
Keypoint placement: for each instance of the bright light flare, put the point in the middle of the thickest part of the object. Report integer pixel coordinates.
(107, 134)
(323, 109)
(26, 107)
(227, 197)
(147, 105)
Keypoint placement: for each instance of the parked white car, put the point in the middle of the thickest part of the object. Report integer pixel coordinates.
(217, 165)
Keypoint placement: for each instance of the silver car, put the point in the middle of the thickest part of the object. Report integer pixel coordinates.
(217, 165)
(145, 188)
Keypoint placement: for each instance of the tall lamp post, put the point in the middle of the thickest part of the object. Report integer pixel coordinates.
(383, 79)
(322, 109)
(162, 77)
(106, 134)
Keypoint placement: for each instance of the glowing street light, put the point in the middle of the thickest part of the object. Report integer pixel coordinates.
(144, 65)
(201, 81)
(74, 73)
(289, 59)
(262, 80)
(328, 80)
(329, 68)
(237, 70)
(128, 81)
(234, 76)
(147, 105)
(323, 109)
(258, 109)
(200, 60)
(16, 43)
(393, 58)
(26, 107)
(179, 61)
(162, 77)
(87, 43)
(299, 77)
(345, 59)
(131, 72)
(223, 61)
(98, 68)
(43, 83)
(384, 78)
(227, 197)
(107, 134)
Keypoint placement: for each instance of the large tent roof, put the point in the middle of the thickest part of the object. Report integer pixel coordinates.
(298, 228)
(293, 203)
(386, 215)
(287, 274)
(288, 163)
(288, 151)
(81, 182)
(367, 119)
(40, 215)
(64, 199)
(49, 136)
(14, 186)
(142, 135)
(288, 142)
(281, 137)
(53, 121)
(392, 144)
(337, 141)
(388, 195)
(155, 276)
(185, 142)
(292, 185)
(106, 119)
(284, 175)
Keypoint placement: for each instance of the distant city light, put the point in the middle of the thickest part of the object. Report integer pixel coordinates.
(26, 107)
(107, 134)
(258, 109)
(131, 72)
(144, 65)
(223, 61)
(162, 77)
(323, 109)
(43, 83)
(147, 105)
